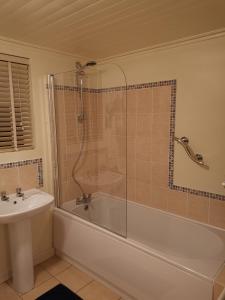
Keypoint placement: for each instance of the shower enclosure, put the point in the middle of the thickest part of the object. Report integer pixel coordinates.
(89, 143)
(154, 260)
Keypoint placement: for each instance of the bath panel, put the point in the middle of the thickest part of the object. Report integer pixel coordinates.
(126, 265)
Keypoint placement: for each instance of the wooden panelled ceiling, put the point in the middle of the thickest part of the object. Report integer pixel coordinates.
(102, 28)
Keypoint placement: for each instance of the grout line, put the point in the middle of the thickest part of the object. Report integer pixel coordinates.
(54, 276)
(58, 272)
(85, 285)
(36, 287)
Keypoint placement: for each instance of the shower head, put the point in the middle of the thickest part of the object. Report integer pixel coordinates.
(91, 63)
(81, 67)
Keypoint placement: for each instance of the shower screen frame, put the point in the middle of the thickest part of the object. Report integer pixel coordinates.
(54, 148)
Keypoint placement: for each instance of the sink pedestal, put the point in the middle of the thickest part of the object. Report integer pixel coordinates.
(20, 239)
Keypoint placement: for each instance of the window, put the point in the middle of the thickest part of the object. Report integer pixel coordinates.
(15, 104)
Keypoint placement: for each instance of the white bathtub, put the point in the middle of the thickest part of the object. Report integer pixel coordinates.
(164, 257)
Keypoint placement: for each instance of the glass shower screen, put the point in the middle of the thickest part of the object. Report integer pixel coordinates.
(90, 108)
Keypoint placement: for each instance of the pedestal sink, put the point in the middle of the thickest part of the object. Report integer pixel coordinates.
(17, 213)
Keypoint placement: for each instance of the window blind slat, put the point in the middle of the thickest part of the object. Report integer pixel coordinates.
(6, 125)
(21, 90)
(15, 111)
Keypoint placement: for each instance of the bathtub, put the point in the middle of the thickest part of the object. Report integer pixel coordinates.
(164, 257)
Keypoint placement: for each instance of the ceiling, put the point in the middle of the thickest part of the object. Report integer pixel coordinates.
(103, 28)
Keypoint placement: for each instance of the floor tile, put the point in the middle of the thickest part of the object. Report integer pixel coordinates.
(7, 293)
(41, 289)
(73, 278)
(55, 265)
(97, 291)
(40, 276)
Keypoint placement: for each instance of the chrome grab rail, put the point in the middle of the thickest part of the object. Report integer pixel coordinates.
(197, 158)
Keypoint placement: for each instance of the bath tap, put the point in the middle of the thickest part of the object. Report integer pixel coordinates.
(4, 197)
(84, 199)
(19, 192)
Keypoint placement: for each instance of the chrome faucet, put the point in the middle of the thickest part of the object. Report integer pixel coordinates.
(19, 192)
(84, 199)
(4, 197)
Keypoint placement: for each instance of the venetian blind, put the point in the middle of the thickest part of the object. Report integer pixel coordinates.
(15, 106)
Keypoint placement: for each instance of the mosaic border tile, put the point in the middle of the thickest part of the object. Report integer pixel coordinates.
(173, 84)
(114, 89)
(21, 163)
(171, 154)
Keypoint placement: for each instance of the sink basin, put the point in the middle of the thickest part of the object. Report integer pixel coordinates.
(17, 213)
(18, 208)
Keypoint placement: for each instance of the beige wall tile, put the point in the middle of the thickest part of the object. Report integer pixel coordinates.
(143, 171)
(99, 104)
(160, 151)
(131, 189)
(70, 102)
(118, 189)
(131, 168)
(9, 180)
(143, 148)
(144, 125)
(72, 190)
(60, 113)
(217, 213)
(160, 175)
(161, 99)
(131, 102)
(131, 125)
(131, 149)
(198, 208)
(158, 198)
(177, 202)
(160, 127)
(143, 192)
(28, 177)
(144, 100)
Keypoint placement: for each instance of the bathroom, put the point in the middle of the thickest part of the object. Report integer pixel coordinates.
(112, 166)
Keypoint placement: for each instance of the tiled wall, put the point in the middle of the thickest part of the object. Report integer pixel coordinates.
(111, 156)
(102, 166)
(139, 141)
(25, 174)
(149, 118)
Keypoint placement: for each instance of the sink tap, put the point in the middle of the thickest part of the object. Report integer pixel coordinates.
(4, 197)
(19, 192)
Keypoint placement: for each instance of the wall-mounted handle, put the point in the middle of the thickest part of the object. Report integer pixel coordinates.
(197, 158)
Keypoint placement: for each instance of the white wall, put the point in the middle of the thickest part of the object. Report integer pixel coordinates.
(199, 68)
(42, 63)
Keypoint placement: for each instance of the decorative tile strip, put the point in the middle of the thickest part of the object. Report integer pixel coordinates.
(21, 163)
(198, 192)
(171, 154)
(173, 84)
(113, 89)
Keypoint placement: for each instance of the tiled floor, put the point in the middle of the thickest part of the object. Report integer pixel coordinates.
(55, 271)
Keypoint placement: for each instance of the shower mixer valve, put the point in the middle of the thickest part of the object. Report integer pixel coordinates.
(81, 117)
(84, 199)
